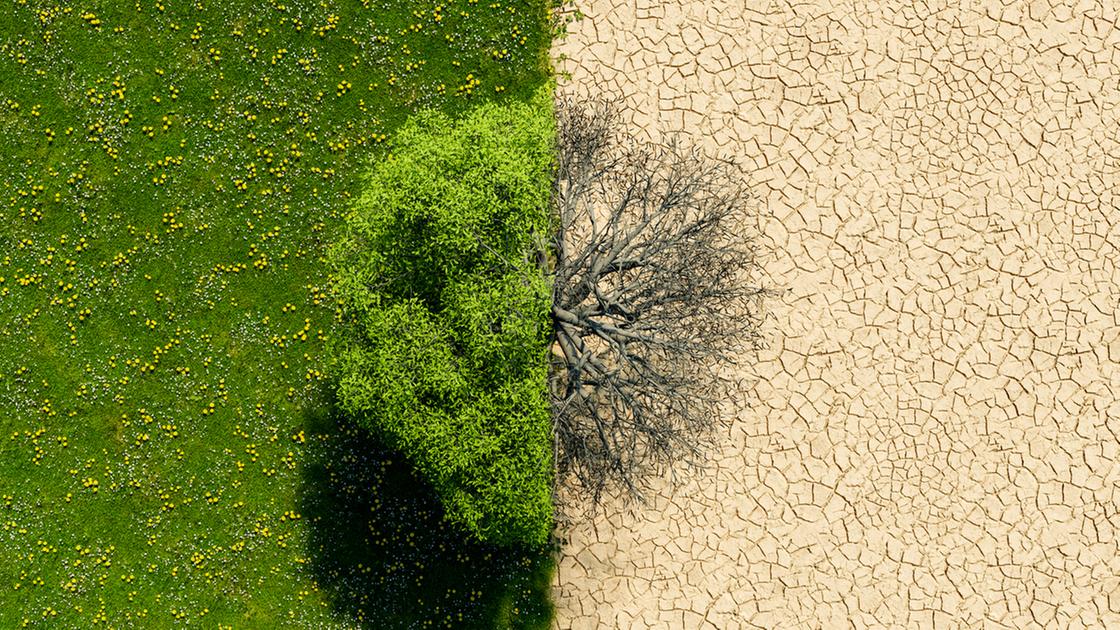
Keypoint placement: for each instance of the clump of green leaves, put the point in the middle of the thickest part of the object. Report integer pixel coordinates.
(446, 312)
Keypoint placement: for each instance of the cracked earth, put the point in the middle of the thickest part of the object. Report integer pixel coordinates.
(932, 440)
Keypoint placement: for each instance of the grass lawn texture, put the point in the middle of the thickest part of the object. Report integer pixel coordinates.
(172, 456)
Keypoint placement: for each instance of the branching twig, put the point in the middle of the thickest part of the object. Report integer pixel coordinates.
(652, 290)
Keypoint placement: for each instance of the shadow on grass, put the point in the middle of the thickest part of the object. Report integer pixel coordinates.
(378, 545)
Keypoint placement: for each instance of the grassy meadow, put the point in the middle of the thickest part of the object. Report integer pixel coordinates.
(170, 173)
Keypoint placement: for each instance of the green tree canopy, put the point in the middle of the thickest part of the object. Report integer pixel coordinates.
(446, 312)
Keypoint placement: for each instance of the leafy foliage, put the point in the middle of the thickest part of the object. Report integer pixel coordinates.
(447, 310)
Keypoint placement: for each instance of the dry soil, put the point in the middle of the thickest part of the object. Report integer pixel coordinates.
(934, 434)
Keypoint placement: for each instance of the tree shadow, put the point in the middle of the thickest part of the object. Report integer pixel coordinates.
(379, 547)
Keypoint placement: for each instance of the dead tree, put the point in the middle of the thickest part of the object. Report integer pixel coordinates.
(652, 295)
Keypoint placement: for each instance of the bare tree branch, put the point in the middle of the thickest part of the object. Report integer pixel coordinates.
(653, 290)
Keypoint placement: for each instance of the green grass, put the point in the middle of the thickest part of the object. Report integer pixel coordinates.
(385, 554)
(170, 455)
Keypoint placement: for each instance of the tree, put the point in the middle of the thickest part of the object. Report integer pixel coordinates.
(652, 295)
(509, 273)
(446, 312)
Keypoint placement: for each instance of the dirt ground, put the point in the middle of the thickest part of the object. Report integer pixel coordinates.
(934, 433)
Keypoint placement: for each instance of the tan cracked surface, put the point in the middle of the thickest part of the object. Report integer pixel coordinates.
(935, 435)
